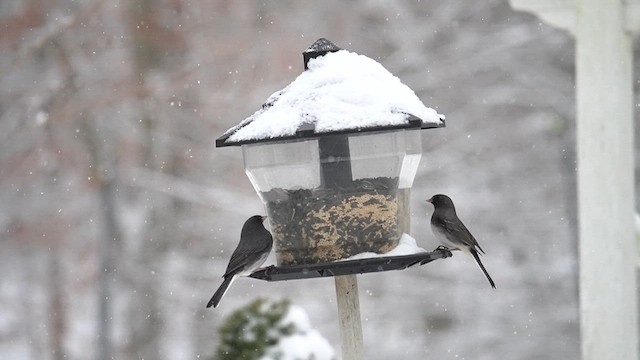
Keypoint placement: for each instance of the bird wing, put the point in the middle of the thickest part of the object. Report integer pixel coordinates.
(248, 253)
(456, 230)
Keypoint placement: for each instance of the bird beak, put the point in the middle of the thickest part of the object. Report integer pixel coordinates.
(264, 217)
(430, 200)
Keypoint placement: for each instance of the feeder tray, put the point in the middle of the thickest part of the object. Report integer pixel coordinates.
(347, 267)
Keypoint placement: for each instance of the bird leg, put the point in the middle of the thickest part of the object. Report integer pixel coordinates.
(442, 247)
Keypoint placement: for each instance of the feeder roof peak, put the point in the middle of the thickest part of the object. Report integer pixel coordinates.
(340, 91)
(322, 45)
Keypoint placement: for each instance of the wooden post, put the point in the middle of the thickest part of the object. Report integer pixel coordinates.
(604, 60)
(608, 305)
(349, 315)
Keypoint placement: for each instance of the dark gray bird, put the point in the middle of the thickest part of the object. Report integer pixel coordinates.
(452, 233)
(253, 249)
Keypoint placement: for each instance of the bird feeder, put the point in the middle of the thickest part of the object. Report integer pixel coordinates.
(333, 157)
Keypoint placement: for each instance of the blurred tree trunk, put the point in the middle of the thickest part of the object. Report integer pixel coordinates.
(108, 255)
(151, 42)
(103, 160)
(55, 280)
(100, 143)
(142, 312)
(57, 311)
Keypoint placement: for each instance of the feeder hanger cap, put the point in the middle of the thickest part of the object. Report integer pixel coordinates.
(321, 47)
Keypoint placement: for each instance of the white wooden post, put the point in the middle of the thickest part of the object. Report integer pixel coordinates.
(349, 315)
(608, 300)
(608, 316)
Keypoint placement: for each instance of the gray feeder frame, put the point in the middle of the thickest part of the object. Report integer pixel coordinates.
(348, 267)
(335, 172)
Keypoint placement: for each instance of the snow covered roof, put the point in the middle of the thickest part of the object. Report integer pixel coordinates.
(340, 91)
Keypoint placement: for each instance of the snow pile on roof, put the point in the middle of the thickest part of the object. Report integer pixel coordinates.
(304, 343)
(339, 91)
(406, 246)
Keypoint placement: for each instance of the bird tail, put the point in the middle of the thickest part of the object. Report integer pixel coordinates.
(217, 296)
(477, 257)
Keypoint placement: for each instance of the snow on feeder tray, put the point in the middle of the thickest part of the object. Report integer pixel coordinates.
(333, 157)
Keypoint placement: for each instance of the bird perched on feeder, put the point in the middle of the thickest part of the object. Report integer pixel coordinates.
(452, 233)
(253, 249)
